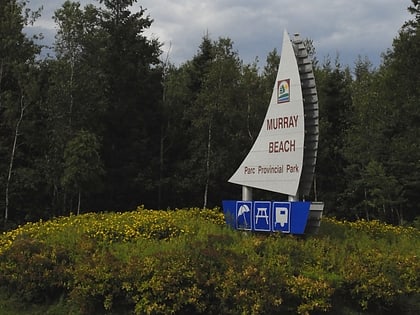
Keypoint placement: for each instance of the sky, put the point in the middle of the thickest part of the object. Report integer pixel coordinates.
(338, 28)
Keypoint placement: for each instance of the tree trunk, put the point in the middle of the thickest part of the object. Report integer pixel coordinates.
(206, 188)
(248, 119)
(64, 202)
(366, 208)
(78, 203)
(1, 79)
(163, 132)
(12, 159)
(161, 161)
(71, 90)
(400, 216)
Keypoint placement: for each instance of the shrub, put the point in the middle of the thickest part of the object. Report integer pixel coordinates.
(188, 261)
(34, 270)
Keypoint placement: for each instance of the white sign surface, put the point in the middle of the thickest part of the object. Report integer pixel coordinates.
(275, 160)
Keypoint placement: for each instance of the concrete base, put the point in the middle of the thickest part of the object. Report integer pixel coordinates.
(314, 218)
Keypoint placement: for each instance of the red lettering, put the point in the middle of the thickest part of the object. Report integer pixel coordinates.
(281, 146)
(292, 168)
(249, 170)
(282, 122)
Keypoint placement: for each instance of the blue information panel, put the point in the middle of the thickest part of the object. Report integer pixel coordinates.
(267, 216)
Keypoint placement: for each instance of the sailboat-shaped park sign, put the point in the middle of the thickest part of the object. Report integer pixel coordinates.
(283, 156)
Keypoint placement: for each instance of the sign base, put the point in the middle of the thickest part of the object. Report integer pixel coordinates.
(289, 217)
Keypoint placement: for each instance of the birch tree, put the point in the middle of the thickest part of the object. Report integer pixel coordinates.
(17, 59)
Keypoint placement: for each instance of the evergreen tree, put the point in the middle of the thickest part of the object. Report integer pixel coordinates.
(401, 89)
(183, 86)
(333, 84)
(372, 190)
(133, 75)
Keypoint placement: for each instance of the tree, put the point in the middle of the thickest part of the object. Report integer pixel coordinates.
(270, 72)
(131, 139)
(182, 87)
(334, 95)
(76, 90)
(382, 146)
(17, 64)
(106, 80)
(401, 91)
(215, 99)
(82, 164)
(175, 137)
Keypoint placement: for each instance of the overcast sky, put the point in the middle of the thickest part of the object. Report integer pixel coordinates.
(337, 27)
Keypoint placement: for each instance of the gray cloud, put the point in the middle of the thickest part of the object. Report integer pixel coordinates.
(349, 29)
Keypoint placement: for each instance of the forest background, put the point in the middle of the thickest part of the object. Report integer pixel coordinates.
(109, 123)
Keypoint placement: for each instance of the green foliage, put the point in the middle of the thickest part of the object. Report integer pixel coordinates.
(82, 163)
(333, 85)
(170, 136)
(217, 102)
(36, 270)
(188, 261)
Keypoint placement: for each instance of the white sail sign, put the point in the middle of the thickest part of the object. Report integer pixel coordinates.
(276, 159)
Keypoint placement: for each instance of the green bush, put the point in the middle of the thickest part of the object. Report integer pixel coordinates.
(34, 270)
(188, 261)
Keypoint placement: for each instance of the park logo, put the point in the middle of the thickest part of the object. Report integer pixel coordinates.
(283, 91)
